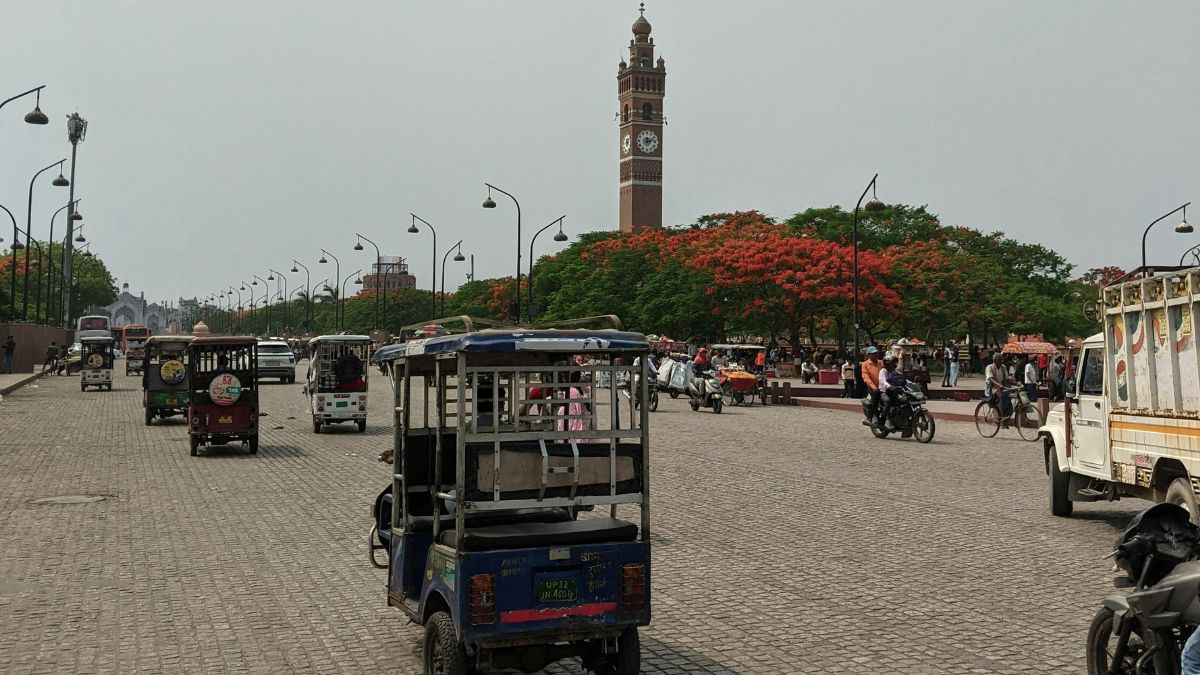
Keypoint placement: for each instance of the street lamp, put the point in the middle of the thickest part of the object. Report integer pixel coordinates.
(35, 116)
(559, 236)
(457, 258)
(337, 275)
(489, 204)
(50, 283)
(378, 265)
(433, 313)
(283, 294)
(1182, 228)
(76, 132)
(308, 296)
(872, 205)
(357, 281)
(28, 231)
(266, 300)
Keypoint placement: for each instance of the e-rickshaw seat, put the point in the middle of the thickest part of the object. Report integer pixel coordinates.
(529, 535)
(424, 523)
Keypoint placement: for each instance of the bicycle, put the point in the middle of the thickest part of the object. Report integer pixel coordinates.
(1024, 415)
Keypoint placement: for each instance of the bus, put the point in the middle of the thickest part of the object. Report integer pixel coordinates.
(133, 333)
(92, 326)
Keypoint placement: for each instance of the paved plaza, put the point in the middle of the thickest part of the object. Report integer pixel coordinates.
(787, 540)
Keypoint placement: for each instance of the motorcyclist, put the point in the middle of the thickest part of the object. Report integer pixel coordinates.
(870, 375)
(890, 380)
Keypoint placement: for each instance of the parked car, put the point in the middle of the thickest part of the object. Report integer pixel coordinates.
(275, 359)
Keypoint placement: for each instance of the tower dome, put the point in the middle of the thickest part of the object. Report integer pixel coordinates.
(641, 26)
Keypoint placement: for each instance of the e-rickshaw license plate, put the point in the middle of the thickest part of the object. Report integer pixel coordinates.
(342, 404)
(557, 590)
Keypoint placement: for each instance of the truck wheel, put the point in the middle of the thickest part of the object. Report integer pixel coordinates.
(1060, 482)
(1180, 493)
(443, 653)
(628, 659)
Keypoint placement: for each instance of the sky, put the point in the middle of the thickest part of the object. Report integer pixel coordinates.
(227, 138)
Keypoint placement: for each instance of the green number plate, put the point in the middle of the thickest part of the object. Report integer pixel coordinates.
(342, 404)
(556, 590)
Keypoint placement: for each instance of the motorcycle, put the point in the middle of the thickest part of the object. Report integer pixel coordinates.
(1145, 631)
(705, 391)
(907, 415)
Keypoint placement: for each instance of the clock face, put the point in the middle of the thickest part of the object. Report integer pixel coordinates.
(647, 141)
(625, 144)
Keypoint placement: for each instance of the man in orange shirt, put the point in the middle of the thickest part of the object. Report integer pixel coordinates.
(870, 376)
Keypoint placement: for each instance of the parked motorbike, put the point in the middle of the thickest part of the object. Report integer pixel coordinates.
(907, 415)
(1145, 631)
(705, 391)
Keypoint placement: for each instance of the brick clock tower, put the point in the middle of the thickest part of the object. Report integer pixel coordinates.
(640, 87)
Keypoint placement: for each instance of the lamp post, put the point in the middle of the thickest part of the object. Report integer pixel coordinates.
(559, 236)
(76, 132)
(457, 258)
(60, 181)
(433, 313)
(50, 279)
(1194, 252)
(1183, 228)
(872, 205)
(357, 280)
(266, 301)
(283, 296)
(337, 276)
(378, 265)
(35, 116)
(489, 204)
(12, 283)
(236, 319)
(308, 294)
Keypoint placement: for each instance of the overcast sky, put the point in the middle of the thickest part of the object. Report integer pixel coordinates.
(229, 137)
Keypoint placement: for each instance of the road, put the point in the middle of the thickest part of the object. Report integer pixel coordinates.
(787, 540)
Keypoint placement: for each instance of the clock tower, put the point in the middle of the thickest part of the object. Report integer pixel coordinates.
(640, 86)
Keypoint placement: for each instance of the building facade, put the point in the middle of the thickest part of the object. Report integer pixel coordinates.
(159, 317)
(389, 274)
(641, 86)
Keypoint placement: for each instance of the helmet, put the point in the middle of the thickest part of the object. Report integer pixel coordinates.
(889, 357)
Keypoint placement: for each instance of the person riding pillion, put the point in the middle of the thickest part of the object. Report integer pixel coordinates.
(870, 374)
(890, 379)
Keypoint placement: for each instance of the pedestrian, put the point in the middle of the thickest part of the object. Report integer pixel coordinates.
(760, 362)
(51, 357)
(1031, 379)
(1054, 378)
(946, 365)
(62, 360)
(1043, 362)
(953, 364)
(10, 347)
(848, 378)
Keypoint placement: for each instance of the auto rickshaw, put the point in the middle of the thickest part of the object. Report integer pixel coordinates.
(97, 358)
(135, 355)
(164, 377)
(493, 464)
(337, 380)
(222, 392)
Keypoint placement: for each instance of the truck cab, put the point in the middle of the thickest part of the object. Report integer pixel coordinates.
(1130, 424)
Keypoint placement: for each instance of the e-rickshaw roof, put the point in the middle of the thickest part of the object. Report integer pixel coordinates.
(95, 338)
(354, 339)
(735, 347)
(160, 339)
(221, 340)
(518, 341)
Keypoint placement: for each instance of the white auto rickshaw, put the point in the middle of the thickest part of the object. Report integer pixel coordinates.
(337, 380)
(97, 359)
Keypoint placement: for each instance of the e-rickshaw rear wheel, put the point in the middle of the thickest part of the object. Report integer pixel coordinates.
(195, 443)
(316, 426)
(443, 653)
(628, 659)
(252, 444)
(362, 426)
(149, 416)
(82, 387)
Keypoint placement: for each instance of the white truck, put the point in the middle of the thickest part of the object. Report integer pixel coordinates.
(1130, 425)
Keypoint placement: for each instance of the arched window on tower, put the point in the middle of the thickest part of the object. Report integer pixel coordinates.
(647, 112)
(625, 114)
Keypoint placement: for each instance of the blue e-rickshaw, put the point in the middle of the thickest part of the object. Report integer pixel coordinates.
(490, 528)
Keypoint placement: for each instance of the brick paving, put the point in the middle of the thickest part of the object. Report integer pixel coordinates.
(787, 540)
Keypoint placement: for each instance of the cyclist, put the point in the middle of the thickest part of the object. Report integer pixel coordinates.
(996, 377)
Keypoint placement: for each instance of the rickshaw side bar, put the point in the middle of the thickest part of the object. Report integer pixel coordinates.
(460, 461)
(563, 502)
(495, 438)
(437, 448)
(645, 412)
(545, 471)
